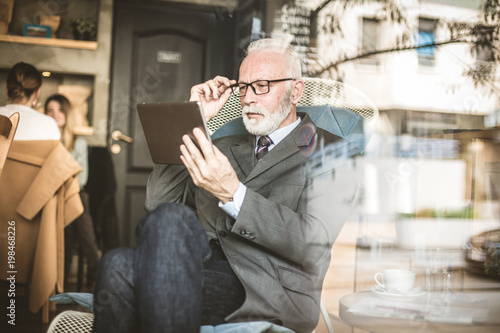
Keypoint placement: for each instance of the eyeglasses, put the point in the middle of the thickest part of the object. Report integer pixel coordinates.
(259, 87)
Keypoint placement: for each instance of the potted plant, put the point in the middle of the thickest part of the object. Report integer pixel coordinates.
(83, 28)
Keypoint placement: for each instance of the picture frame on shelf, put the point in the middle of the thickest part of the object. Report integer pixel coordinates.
(34, 30)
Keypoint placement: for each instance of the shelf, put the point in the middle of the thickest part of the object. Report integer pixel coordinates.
(83, 130)
(68, 43)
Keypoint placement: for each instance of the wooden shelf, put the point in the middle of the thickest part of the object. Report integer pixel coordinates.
(83, 130)
(68, 43)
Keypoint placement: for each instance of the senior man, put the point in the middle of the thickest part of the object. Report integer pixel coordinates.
(231, 235)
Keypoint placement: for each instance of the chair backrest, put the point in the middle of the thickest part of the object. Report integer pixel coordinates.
(8, 127)
(336, 107)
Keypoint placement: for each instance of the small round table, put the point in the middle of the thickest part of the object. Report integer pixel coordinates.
(463, 312)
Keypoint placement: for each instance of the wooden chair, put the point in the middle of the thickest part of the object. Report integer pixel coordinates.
(39, 191)
(8, 127)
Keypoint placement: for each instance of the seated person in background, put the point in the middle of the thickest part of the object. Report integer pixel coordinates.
(231, 235)
(82, 229)
(23, 88)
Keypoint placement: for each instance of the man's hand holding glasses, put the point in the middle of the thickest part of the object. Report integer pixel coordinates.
(212, 95)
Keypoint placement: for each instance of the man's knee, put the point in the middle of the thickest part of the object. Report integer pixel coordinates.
(167, 217)
(118, 261)
(170, 210)
(115, 277)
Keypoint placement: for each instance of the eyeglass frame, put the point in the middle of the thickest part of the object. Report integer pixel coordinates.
(236, 87)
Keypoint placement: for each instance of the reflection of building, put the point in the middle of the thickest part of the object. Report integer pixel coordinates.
(421, 90)
(432, 117)
(429, 79)
(431, 114)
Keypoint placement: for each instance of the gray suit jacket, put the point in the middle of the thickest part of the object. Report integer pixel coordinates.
(280, 245)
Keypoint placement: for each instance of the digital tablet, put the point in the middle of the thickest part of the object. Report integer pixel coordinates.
(164, 124)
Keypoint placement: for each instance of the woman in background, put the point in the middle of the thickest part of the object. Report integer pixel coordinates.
(58, 107)
(23, 88)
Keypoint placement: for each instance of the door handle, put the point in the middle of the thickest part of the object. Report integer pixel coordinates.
(118, 135)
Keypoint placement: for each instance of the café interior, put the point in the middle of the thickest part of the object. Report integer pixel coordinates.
(427, 203)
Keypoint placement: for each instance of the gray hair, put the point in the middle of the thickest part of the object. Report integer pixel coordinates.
(293, 63)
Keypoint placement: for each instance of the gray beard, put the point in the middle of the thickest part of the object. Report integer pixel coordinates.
(271, 121)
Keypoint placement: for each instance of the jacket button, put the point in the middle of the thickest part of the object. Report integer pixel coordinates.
(222, 233)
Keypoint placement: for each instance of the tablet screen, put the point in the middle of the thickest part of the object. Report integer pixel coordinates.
(164, 124)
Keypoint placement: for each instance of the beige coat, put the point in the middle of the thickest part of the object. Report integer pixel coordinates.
(39, 193)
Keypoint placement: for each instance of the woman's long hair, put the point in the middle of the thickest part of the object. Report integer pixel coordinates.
(67, 134)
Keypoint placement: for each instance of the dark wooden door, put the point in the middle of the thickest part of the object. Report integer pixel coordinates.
(159, 52)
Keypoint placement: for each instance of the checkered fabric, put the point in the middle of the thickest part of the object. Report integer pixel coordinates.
(72, 322)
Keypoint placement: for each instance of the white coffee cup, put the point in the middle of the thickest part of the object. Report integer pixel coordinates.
(396, 280)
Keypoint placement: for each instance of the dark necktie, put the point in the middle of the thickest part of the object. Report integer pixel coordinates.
(262, 148)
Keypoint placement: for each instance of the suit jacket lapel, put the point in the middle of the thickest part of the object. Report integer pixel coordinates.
(292, 144)
(243, 154)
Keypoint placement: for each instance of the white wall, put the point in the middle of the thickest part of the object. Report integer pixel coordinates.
(404, 185)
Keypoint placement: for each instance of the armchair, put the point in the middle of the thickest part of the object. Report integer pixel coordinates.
(333, 106)
(8, 127)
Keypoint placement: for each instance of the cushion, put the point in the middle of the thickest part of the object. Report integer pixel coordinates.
(86, 300)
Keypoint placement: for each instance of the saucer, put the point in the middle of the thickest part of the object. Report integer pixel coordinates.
(409, 296)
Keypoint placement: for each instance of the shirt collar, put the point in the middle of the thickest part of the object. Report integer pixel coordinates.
(280, 133)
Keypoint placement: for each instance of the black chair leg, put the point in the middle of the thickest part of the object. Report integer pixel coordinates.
(80, 270)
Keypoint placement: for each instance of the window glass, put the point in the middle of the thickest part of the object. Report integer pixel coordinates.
(369, 39)
(426, 36)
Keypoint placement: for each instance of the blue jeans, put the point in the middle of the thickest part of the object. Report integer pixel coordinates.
(174, 281)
